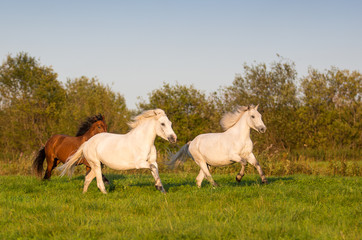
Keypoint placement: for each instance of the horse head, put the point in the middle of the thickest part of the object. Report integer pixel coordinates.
(164, 126)
(254, 119)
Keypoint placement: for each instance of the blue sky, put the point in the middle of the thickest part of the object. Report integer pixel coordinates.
(135, 46)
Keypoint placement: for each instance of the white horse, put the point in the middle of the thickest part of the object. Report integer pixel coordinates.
(133, 150)
(221, 149)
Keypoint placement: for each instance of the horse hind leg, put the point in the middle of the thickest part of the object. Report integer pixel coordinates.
(51, 164)
(98, 174)
(200, 178)
(88, 179)
(205, 168)
(105, 180)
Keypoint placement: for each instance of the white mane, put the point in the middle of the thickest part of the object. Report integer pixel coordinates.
(231, 118)
(144, 115)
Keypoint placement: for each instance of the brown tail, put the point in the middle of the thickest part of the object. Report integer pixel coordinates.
(38, 163)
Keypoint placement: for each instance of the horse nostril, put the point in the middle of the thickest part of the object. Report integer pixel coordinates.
(172, 139)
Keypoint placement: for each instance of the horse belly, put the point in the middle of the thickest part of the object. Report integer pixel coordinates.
(213, 152)
(118, 161)
(124, 161)
(218, 162)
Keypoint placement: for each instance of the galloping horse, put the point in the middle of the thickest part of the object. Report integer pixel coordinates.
(133, 150)
(221, 149)
(59, 147)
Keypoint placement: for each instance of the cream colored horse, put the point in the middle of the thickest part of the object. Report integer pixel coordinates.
(221, 149)
(133, 150)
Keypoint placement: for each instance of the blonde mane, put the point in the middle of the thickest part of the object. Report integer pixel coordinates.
(144, 115)
(231, 118)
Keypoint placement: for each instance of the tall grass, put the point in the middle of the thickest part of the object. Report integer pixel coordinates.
(333, 162)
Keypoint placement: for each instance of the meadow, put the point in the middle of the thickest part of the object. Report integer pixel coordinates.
(290, 207)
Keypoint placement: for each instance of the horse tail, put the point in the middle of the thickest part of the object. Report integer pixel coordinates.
(38, 162)
(179, 157)
(68, 166)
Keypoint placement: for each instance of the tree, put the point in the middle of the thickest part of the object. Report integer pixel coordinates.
(275, 91)
(86, 97)
(331, 111)
(31, 99)
(187, 108)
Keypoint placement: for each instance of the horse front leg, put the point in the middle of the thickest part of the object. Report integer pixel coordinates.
(241, 173)
(156, 176)
(236, 158)
(252, 160)
(154, 170)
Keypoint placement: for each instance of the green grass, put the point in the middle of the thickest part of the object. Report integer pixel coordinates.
(290, 207)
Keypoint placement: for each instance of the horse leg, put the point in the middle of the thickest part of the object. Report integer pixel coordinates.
(200, 178)
(204, 167)
(98, 174)
(51, 164)
(88, 179)
(252, 160)
(156, 176)
(199, 159)
(241, 173)
(105, 180)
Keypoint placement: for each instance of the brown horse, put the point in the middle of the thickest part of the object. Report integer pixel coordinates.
(59, 147)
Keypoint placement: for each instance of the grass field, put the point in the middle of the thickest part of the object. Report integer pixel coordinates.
(289, 207)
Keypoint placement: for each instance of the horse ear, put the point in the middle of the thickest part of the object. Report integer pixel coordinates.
(249, 107)
(256, 108)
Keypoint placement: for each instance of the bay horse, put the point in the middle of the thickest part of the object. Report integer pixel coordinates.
(220, 149)
(59, 147)
(133, 150)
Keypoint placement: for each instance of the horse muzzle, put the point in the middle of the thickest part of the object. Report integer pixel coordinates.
(172, 138)
(262, 129)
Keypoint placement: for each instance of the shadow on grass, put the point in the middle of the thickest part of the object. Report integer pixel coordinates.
(230, 182)
(147, 181)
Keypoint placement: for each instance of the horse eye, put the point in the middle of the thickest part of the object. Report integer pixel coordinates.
(162, 124)
(252, 116)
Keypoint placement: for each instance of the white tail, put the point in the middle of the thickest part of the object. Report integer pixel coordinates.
(68, 166)
(179, 157)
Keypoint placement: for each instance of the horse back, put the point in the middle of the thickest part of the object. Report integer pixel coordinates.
(62, 146)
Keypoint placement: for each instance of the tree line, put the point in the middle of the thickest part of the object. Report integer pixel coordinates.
(320, 110)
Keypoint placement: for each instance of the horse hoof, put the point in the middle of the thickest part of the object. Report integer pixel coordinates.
(239, 177)
(264, 181)
(160, 188)
(106, 182)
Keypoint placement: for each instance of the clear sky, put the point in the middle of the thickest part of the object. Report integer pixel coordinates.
(134, 46)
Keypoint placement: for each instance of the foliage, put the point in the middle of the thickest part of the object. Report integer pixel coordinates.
(291, 207)
(320, 111)
(31, 101)
(331, 111)
(187, 108)
(35, 105)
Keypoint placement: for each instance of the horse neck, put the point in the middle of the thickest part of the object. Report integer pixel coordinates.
(145, 133)
(241, 130)
(86, 136)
